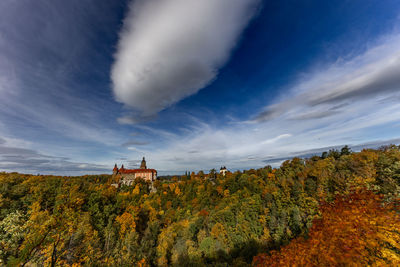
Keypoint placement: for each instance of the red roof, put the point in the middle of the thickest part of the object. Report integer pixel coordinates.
(137, 170)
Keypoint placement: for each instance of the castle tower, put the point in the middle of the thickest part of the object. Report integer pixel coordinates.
(143, 164)
(223, 171)
(115, 170)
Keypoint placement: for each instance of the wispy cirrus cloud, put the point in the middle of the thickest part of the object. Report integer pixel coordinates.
(170, 49)
(45, 49)
(32, 161)
(275, 139)
(135, 143)
(54, 84)
(372, 74)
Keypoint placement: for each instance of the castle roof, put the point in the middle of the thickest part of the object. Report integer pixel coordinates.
(137, 170)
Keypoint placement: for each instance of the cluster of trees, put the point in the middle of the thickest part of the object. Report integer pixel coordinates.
(356, 230)
(196, 221)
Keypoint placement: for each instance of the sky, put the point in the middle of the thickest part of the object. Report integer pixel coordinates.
(193, 85)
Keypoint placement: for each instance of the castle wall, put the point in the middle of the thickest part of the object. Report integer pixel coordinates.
(148, 176)
(129, 178)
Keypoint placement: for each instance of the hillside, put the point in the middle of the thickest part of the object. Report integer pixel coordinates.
(300, 213)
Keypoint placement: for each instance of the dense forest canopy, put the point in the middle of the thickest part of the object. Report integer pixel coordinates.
(287, 216)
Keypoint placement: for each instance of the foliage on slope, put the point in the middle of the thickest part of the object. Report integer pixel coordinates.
(188, 221)
(355, 230)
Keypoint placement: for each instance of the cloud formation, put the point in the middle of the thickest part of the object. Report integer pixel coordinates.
(276, 139)
(54, 84)
(31, 161)
(170, 49)
(350, 101)
(57, 116)
(375, 73)
(134, 143)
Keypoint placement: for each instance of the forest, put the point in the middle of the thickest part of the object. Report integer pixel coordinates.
(338, 209)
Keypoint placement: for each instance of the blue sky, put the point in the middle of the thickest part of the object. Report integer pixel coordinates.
(193, 85)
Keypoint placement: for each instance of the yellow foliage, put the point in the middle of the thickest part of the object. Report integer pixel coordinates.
(177, 191)
(172, 187)
(184, 223)
(164, 186)
(136, 190)
(127, 222)
(226, 193)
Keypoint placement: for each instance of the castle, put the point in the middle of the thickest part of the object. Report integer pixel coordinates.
(223, 171)
(128, 176)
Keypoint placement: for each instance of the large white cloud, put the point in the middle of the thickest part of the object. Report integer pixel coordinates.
(170, 49)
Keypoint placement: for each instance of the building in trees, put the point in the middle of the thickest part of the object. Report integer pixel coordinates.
(223, 171)
(128, 176)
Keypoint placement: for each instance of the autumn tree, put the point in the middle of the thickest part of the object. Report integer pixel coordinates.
(355, 230)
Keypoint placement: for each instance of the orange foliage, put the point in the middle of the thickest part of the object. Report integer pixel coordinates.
(220, 190)
(142, 263)
(203, 213)
(355, 231)
(178, 191)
